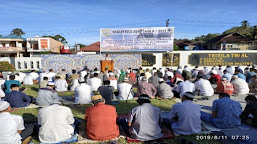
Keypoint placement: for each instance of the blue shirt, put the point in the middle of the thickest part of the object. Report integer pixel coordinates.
(8, 84)
(17, 99)
(228, 112)
(185, 118)
(241, 76)
(228, 76)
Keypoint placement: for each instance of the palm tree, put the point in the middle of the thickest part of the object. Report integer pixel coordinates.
(17, 32)
(245, 24)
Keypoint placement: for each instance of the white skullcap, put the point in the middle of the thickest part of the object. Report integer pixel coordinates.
(214, 72)
(4, 105)
(235, 77)
(50, 83)
(111, 74)
(161, 79)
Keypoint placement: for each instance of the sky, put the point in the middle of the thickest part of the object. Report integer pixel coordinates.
(79, 21)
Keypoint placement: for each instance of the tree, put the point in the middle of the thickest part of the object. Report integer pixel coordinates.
(58, 38)
(245, 24)
(17, 32)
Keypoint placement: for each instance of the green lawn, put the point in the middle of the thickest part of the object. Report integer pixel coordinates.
(30, 114)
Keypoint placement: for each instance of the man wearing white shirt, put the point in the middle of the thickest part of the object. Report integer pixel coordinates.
(203, 86)
(107, 57)
(12, 130)
(83, 93)
(240, 86)
(42, 75)
(83, 74)
(28, 80)
(51, 75)
(95, 82)
(185, 86)
(148, 74)
(34, 75)
(22, 75)
(125, 90)
(55, 121)
(60, 84)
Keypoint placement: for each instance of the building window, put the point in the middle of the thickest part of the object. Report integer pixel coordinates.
(25, 65)
(38, 65)
(31, 65)
(13, 44)
(19, 65)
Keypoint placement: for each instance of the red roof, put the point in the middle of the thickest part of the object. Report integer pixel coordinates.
(95, 47)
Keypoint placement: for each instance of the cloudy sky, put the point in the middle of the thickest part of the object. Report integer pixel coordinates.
(79, 20)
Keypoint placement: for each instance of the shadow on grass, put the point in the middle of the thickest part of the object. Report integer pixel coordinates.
(34, 89)
(29, 118)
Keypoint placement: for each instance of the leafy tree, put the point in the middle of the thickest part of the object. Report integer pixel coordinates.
(245, 24)
(17, 32)
(175, 48)
(58, 38)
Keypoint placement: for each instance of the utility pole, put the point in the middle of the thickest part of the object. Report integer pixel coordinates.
(171, 59)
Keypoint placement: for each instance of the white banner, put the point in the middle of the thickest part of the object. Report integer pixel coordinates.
(136, 39)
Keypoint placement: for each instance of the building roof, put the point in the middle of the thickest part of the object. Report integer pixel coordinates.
(183, 42)
(12, 37)
(230, 38)
(95, 47)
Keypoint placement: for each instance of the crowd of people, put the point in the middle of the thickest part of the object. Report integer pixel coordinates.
(56, 122)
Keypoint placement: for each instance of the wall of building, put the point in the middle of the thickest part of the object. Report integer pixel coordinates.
(55, 45)
(233, 58)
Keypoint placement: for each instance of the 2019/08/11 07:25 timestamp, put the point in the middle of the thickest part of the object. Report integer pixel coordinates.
(215, 137)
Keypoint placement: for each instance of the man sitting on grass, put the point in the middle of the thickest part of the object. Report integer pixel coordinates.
(164, 90)
(17, 98)
(12, 130)
(83, 92)
(47, 95)
(144, 121)
(60, 84)
(8, 83)
(101, 120)
(184, 118)
(251, 108)
(225, 113)
(56, 123)
(44, 82)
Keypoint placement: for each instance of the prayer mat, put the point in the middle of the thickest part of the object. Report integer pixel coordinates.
(73, 139)
(242, 136)
(166, 132)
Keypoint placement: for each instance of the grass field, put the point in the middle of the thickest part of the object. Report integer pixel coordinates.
(30, 114)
